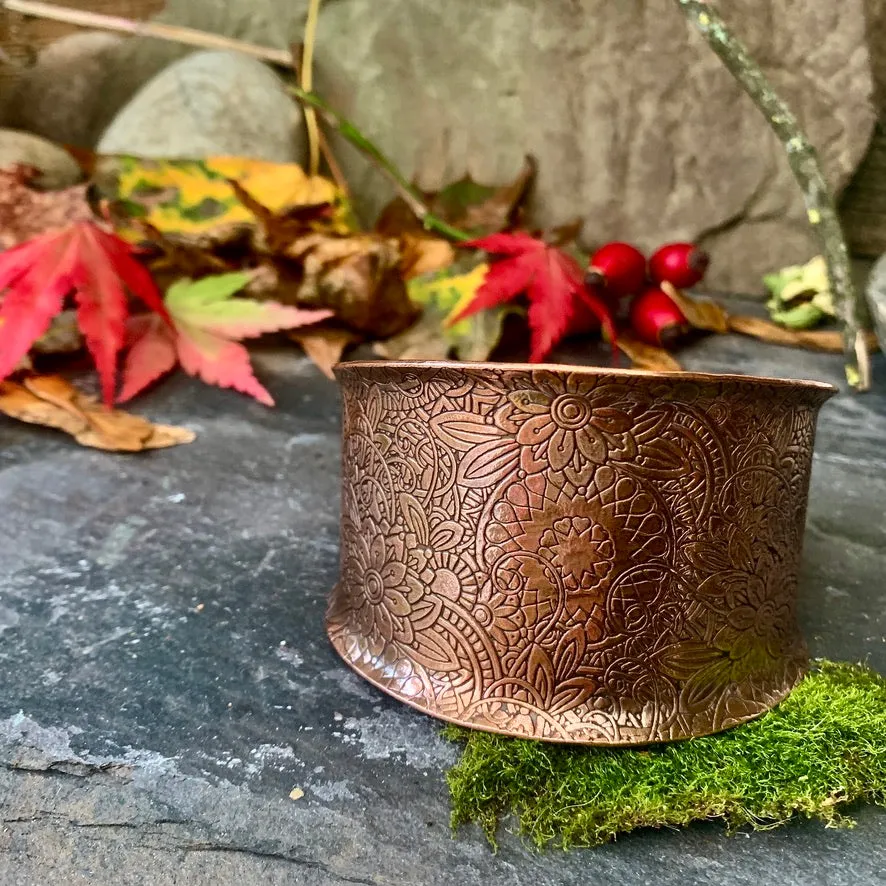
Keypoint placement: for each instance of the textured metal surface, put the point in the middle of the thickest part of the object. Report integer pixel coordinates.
(573, 555)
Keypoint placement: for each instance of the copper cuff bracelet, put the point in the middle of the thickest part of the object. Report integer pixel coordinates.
(573, 554)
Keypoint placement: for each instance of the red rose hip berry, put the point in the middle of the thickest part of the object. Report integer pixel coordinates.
(618, 268)
(656, 319)
(680, 264)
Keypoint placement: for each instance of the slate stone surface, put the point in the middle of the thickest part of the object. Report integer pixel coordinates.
(167, 683)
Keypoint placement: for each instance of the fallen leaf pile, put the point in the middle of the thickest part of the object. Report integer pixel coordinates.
(294, 231)
(283, 237)
(296, 237)
(245, 248)
(54, 403)
(283, 242)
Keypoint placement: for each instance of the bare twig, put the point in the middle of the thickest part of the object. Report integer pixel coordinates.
(173, 33)
(307, 84)
(349, 131)
(807, 169)
(335, 169)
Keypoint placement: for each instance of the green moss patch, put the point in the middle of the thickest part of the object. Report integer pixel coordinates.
(821, 749)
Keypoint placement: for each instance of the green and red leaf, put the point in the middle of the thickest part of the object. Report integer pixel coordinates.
(205, 325)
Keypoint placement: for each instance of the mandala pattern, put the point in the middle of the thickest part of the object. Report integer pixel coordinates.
(576, 556)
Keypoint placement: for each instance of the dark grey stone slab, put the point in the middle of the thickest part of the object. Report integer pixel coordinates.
(167, 682)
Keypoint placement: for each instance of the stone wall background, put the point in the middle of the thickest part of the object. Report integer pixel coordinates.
(637, 127)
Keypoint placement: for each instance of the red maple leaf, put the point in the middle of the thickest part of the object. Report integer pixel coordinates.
(94, 265)
(559, 302)
(202, 336)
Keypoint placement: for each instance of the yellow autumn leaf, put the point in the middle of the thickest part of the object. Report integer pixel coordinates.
(194, 200)
(216, 227)
(158, 180)
(460, 290)
(279, 187)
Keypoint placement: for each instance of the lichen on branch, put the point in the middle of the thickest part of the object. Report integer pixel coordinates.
(803, 160)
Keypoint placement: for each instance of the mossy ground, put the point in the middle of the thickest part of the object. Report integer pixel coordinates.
(821, 749)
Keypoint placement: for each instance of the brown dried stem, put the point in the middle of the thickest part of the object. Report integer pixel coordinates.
(307, 83)
(805, 165)
(326, 151)
(174, 33)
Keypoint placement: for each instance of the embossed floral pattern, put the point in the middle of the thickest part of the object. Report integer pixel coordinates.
(562, 422)
(386, 591)
(581, 550)
(573, 556)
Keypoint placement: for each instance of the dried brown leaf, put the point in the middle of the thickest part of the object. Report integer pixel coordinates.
(276, 231)
(476, 208)
(565, 235)
(700, 313)
(304, 259)
(397, 218)
(357, 277)
(644, 356)
(324, 345)
(164, 436)
(826, 340)
(27, 213)
(53, 402)
(18, 402)
(498, 211)
(172, 259)
(55, 390)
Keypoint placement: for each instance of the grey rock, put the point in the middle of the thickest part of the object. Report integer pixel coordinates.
(274, 23)
(167, 680)
(61, 94)
(58, 168)
(637, 126)
(209, 103)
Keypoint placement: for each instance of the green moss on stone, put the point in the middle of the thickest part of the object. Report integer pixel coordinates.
(821, 749)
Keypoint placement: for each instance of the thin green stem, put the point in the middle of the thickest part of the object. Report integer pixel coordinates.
(350, 132)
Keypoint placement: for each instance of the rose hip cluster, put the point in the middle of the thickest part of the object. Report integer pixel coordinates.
(619, 271)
